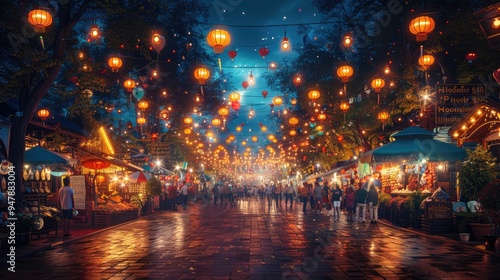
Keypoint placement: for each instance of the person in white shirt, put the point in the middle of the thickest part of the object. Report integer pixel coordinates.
(67, 205)
(184, 193)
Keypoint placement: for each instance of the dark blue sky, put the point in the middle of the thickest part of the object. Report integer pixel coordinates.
(252, 25)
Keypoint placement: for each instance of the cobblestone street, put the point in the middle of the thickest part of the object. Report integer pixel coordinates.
(249, 241)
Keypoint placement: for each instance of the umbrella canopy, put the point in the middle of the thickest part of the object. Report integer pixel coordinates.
(139, 177)
(96, 164)
(38, 155)
(413, 144)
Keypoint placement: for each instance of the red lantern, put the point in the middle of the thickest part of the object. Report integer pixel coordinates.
(232, 54)
(470, 57)
(96, 164)
(235, 105)
(264, 93)
(340, 138)
(496, 75)
(245, 84)
(263, 52)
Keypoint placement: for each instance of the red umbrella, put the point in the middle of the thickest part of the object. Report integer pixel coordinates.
(96, 164)
(139, 177)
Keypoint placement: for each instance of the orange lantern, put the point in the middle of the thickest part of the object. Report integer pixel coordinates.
(345, 72)
(129, 84)
(40, 19)
(115, 63)
(143, 105)
(297, 80)
(292, 132)
(277, 101)
(141, 121)
(238, 128)
(94, 32)
(164, 114)
(321, 117)
(255, 138)
(223, 111)
(263, 128)
(383, 116)
(378, 84)
(293, 120)
(218, 39)
(234, 96)
(43, 114)
(187, 131)
(100, 178)
(313, 94)
(202, 74)
(216, 122)
(188, 120)
(293, 101)
(421, 26)
(344, 106)
(425, 61)
(209, 134)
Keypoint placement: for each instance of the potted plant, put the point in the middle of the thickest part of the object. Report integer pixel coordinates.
(489, 196)
(476, 171)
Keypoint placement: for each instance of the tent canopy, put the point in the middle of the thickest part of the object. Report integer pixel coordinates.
(38, 155)
(412, 144)
(139, 177)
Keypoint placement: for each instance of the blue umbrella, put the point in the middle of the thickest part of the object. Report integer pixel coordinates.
(38, 155)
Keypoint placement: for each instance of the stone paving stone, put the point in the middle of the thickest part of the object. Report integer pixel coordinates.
(249, 241)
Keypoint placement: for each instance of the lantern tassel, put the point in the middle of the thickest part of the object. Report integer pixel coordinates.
(201, 89)
(42, 42)
(220, 65)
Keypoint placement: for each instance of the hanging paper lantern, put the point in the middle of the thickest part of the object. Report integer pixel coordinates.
(470, 57)
(94, 32)
(264, 93)
(216, 122)
(141, 120)
(378, 84)
(202, 74)
(345, 72)
(263, 52)
(235, 105)
(292, 132)
(143, 105)
(238, 128)
(232, 54)
(158, 42)
(218, 39)
(129, 84)
(313, 94)
(297, 80)
(244, 84)
(293, 120)
(223, 111)
(255, 138)
(187, 131)
(138, 93)
(421, 26)
(293, 101)
(277, 101)
(188, 120)
(340, 138)
(43, 114)
(40, 19)
(425, 61)
(344, 106)
(383, 116)
(234, 96)
(164, 114)
(496, 75)
(321, 117)
(115, 63)
(263, 128)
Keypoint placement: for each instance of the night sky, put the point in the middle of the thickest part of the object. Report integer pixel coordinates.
(253, 25)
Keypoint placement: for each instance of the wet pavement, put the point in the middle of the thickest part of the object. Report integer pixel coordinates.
(248, 240)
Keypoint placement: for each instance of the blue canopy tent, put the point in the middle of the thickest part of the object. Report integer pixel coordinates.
(41, 156)
(412, 144)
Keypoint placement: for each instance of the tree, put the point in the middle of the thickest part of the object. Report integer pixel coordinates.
(68, 72)
(477, 170)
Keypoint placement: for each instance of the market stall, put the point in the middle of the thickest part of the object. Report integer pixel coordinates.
(411, 165)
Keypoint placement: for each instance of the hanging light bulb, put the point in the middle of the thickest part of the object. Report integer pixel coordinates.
(94, 32)
(285, 44)
(251, 79)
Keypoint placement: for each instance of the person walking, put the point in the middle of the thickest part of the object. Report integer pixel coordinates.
(67, 205)
(361, 195)
(372, 200)
(327, 203)
(216, 194)
(318, 197)
(269, 195)
(304, 195)
(350, 199)
(289, 194)
(184, 193)
(336, 196)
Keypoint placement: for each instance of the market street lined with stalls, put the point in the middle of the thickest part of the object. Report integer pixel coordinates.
(248, 240)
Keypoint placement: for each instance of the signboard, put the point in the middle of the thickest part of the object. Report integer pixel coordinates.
(454, 101)
(78, 184)
(160, 150)
(439, 210)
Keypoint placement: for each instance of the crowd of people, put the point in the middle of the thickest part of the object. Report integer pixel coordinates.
(357, 199)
